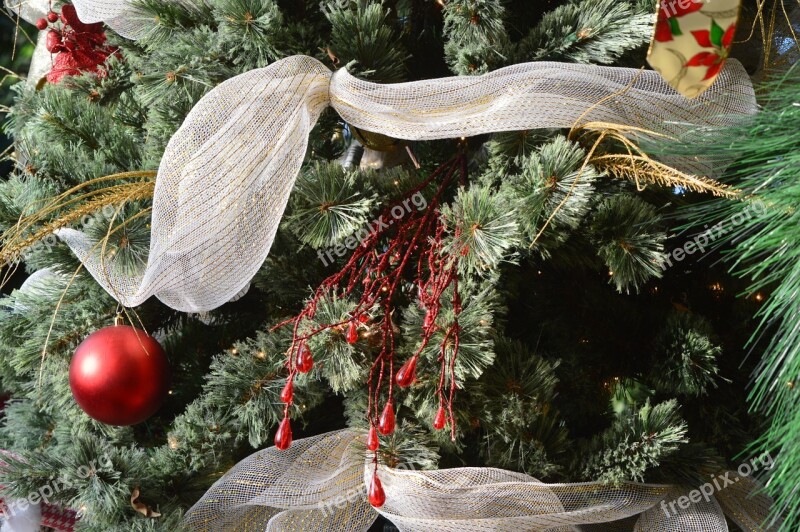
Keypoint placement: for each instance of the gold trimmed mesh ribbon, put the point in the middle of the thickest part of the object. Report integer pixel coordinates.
(226, 175)
(318, 484)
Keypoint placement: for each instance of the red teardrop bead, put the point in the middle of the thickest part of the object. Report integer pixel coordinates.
(440, 420)
(283, 438)
(407, 373)
(386, 421)
(352, 333)
(304, 359)
(428, 320)
(372, 439)
(376, 494)
(287, 394)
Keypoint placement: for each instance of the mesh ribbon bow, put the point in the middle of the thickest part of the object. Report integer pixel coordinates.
(318, 485)
(226, 175)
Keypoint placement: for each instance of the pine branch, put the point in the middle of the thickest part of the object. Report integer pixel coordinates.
(483, 226)
(626, 231)
(635, 443)
(555, 190)
(588, 31)
(475, 35)
(329, 204)
(688, 356)
(362, 39)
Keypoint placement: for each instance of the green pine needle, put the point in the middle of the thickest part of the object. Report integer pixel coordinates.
(630, 241)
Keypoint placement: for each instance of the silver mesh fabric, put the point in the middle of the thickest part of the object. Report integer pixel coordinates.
(227, 173)
(318, 484)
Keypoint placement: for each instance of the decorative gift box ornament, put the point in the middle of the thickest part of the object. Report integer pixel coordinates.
(692, 41)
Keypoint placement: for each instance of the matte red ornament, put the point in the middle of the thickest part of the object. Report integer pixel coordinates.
(283, 438)
(304, 360)
(52, 17)
(386, 421)
(119, 375)
(287, 394)
(440, 420)
(352, 333)
(376, 494)
(407, 373)
(372, 439)
(41, 24)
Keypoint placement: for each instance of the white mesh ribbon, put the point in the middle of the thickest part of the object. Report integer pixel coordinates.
(222, 186)
(226, 175)
(123, 16)
(31, 11)
(319, 484)
(705, 514)
(315, 485)
(120, 15)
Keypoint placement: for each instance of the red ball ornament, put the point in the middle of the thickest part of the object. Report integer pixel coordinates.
(54, 42)
(41, 24)
(119, 375)
(52, 17)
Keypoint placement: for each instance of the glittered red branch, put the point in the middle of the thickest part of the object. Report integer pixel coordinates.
(412, 247)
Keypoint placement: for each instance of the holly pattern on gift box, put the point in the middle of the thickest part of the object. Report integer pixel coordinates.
(719, 41)
(692, 41)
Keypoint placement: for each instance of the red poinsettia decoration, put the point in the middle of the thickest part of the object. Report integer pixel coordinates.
(667, 25)
(718, 41)
(78, 47)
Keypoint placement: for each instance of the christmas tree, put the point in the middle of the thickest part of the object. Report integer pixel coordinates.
(552, 301)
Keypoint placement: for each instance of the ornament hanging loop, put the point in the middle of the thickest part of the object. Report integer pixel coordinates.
(119, 318)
